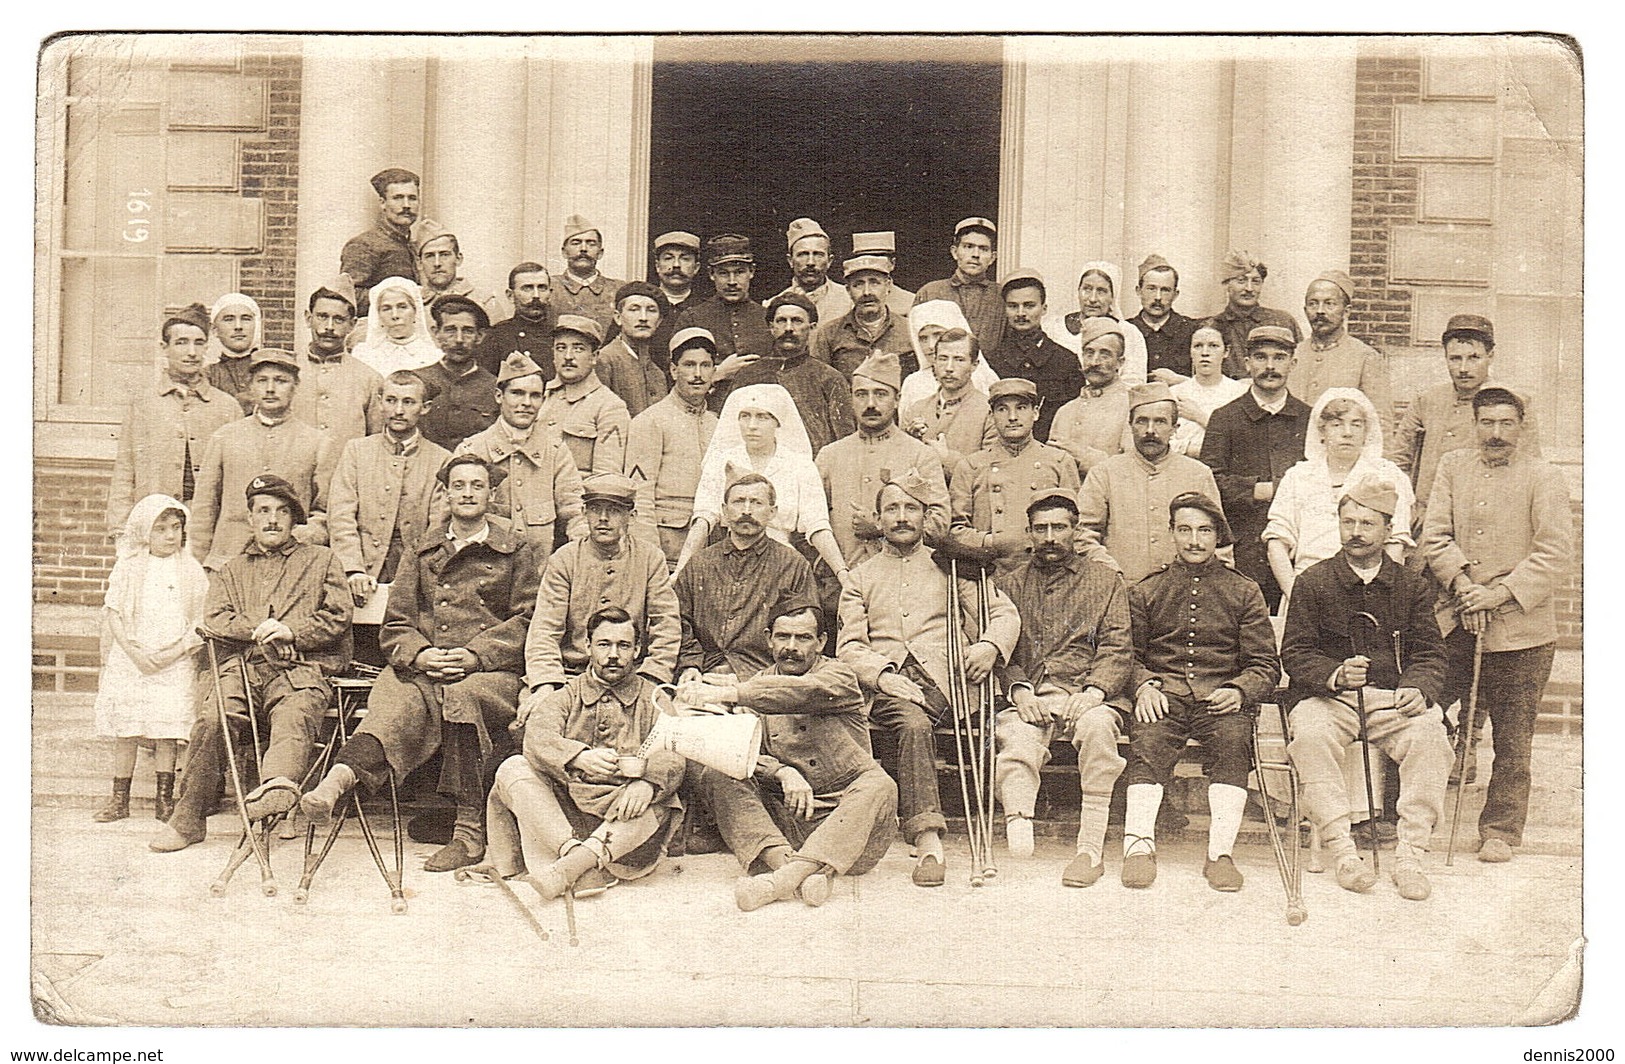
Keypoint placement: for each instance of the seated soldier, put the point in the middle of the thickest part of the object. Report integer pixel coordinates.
(1068, 678)
(582, 792)
(1204, 657)
(454, 637)
(816, 782)
(1361, 621)
(288, 604)
(729, 592)
(609, 567)
(894, 632)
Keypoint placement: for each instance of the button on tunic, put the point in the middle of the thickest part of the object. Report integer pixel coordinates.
(1200, 627)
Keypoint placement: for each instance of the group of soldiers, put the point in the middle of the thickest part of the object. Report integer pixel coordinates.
(519, 532)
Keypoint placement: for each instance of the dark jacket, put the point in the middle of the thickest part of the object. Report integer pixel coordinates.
(1200, 627)
(480, 597)
(1323, 629)
(1074, 627)
(1243, 446)
(301, 585)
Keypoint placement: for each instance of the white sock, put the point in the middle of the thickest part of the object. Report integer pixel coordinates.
(1225, 804)
(1140, 819)
(1092, 825)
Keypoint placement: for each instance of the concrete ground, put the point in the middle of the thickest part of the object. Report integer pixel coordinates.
(125, 936)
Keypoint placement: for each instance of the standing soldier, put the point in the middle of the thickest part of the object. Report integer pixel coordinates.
(1497, 535)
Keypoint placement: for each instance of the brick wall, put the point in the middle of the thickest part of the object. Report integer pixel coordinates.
(72, 553)
(1384, 194)
(270, 172)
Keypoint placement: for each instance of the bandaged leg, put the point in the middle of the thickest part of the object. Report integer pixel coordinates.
(1094, 735)
(1140, 819)
(527, 825)
(1225, 805)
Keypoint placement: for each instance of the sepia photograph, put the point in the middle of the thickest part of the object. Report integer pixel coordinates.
(775, 530)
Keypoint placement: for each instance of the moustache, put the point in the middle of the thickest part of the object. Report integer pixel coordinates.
(871, 411)
(902, 526)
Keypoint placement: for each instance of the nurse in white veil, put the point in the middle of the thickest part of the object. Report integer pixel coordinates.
(760, 431)
(397, 329)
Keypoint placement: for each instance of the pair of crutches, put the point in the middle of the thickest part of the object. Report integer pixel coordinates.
(973, 732)
(348, 691)
(254, 839)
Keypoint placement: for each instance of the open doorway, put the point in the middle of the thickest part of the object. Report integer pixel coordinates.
(749, 133)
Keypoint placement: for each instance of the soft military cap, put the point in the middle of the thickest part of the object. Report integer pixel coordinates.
(1469, 327)
(859, 263)
(881, 243)
(1012, 388)
(1153, 261)
(1278, 336)
(976, 223)
(1196, 500)
(394, 176)
(575, 225)
(882, 367)
(1096, 327)
(516, 365)
(692, 335)
(577, 323)
(1377, 493)
(614, 488)
(430, 231)
(272, 356)
(678, 239)
(1342, 280)
(728, 247)
(1150, 392)
(802, 228)
(340, 287)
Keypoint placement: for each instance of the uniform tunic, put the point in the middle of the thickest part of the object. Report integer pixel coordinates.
(995, 485)
(1247, 445)
(1200, 627)
(1235, 325)
(979, 299)
(543, 483)
(591, 420)
(817, 724)
(963, 428)
(595, 300)
(897, 605)
(378, 253)
(585, 714)
(378, 494)
(822, 396)
(1167, 346)
(665, 450)
(844, 343)
(1438, 421)
(637, 379)
(466, 405)
(727, 596)
(163, 425)
(494, 306)
(739, 328)
(856, 467)
(1123, 509)
(1034, 356)
(1349, 363)
(1094, 426)
(578, 582)
(478, 598)
(531, 338)
(338, 395)
(1505, 523)
(236, 454)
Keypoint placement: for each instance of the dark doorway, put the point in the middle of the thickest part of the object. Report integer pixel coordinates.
(860, 134)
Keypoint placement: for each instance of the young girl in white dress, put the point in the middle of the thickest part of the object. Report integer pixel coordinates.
(153, 607)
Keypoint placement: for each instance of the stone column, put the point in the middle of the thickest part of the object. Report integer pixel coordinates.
(1292, 155)
(476, 159)
(358, 107)
(1177, 182)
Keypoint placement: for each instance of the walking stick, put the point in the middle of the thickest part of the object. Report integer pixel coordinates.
(984, 617)
(1464, 736)
(491, 875)
(1365, 745)
(964, 740)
